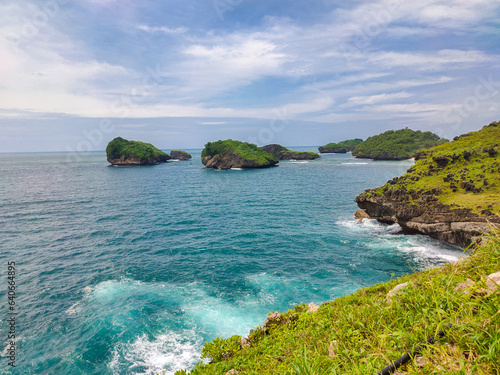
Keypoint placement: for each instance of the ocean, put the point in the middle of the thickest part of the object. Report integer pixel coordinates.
(131, 270)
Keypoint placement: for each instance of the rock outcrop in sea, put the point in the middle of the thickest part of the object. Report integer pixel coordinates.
(282, 153)
(180, 155)
(122, 152)
(235, 154)
(451, 193)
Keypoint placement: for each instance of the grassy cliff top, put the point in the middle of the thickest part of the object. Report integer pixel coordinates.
(247, 151)
(466, 171)
(396, 144)
(119, 147)
(362, 333)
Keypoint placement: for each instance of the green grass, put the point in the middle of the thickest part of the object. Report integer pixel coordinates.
(119, 147)
(396, 145)
(247, 151)
(429, 172)
(365, 333)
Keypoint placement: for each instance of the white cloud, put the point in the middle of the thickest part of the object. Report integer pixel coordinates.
(54, 73)
(374, 99)
(435, 60)
(162, 29)
(235, 62)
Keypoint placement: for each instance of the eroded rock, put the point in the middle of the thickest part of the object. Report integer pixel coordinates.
(396, 291)
(312, 308)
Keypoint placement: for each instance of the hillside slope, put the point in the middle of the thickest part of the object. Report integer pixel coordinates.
(452, 192)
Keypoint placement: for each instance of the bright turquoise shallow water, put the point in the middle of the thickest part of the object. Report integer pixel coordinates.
(131, 270)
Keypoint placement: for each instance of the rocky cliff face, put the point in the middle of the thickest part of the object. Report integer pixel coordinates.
(427, 216)
(451, 193)
(133, 161)
(283, 153)
(232, 160)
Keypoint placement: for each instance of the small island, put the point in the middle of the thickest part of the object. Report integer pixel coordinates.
(235, 154)
(180, 155)
(282, 153)
(341, 147)
(396, 144)
(122, 152)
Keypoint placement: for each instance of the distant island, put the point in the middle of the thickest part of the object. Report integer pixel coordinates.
(122, 152)
(396, 144)
(282, 153)
(235, 154)
(451, 193)
(180, 155)
(341, 147)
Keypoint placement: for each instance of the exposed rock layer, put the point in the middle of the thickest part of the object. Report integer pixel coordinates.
(232, 160)
(455, 226)
(133, 161)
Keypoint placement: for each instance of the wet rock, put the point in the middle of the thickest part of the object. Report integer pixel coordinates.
(360, 215)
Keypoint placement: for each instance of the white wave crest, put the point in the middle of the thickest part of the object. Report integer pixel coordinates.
(164, 354)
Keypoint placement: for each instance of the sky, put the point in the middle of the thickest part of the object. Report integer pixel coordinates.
(178, 74)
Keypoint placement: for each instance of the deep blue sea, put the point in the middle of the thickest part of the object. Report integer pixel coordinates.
(130, 270)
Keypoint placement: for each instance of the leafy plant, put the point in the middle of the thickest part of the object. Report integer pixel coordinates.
(221, 349)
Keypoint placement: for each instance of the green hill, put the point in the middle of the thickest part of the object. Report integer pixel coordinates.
(396, 144)
(341, 147)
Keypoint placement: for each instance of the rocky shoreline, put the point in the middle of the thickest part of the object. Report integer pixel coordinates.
(455, 226)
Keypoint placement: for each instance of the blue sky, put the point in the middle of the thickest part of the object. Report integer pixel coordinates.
(75, 74)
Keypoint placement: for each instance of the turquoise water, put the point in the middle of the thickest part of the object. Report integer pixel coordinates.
(131, 270)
